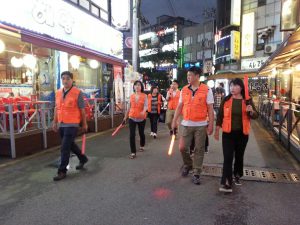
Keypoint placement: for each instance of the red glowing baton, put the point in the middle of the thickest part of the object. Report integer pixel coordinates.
(247, 97)
(117, 129)
(83, 144)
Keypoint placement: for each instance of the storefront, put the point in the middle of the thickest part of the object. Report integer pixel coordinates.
(283, 70)
(48, 37)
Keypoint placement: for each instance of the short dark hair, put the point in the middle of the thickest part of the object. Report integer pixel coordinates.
(140, 82)
(154, 87)
(68, 73)
(175, 81)
(195, 70)
(222, 84)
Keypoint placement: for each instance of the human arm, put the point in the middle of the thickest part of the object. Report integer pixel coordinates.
(219, 121)
(55, 121)
(81, 106)
(211, 119)
(253, 113)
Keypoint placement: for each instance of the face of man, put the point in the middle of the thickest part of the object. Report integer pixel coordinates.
(174, 86)
(192, 78)
(67, 81)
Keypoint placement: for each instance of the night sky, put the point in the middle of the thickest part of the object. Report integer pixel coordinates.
(190, 9)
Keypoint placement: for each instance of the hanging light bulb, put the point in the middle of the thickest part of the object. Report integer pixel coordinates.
(16, 62)
(94, 64)
(30, 61)
(75, 61)
(210, 83)
(2, 46)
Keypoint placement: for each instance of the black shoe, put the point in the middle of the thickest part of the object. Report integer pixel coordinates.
(185, 171)
(59, 176)
(225, 188)
(81, 164)
(196, 179)
(171, 132)
(237, 181)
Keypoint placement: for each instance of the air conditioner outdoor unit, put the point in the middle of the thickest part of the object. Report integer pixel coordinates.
(270, 48)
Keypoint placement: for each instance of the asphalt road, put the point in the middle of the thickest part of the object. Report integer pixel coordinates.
(114, 190)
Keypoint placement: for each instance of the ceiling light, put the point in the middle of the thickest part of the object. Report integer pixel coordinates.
(16, 62)
(75, 61)
(30, 61)
(94, 64)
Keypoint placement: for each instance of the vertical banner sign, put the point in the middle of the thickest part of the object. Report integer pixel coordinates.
(235, 17)
(235, 45)
(248, 34)
(118, 85)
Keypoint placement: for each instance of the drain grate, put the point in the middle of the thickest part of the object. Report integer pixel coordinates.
(257, 174)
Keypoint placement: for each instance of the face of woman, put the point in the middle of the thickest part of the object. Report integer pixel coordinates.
(155, 91)
(235, 89)
(137, 87)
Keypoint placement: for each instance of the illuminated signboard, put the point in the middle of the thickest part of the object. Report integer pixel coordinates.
(235, 45)
(235, 17)
(253, 63)
(59, 19)
(248, 34)
(289, 15)
(120, 13)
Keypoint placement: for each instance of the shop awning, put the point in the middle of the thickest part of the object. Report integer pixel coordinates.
(285, 56)
(230, 74)
(44, 41)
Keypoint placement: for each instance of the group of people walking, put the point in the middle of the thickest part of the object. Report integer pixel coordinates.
(190, 113)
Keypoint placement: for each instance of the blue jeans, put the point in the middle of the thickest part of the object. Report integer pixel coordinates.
(68, 135)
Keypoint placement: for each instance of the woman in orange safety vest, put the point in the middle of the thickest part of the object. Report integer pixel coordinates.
(234, 118)
(137, 116)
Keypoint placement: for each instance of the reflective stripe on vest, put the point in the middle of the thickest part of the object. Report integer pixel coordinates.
(136, 107)
(150, 103)
(173, 101)
(195, 108)
(67, 108)
(226, 125)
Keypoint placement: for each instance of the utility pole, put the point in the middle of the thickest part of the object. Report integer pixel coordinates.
(135, 34)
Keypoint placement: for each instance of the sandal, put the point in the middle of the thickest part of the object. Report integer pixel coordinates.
(142, 149)
(132, 156)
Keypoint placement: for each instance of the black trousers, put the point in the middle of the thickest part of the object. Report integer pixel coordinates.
(234, 145)
(132, 128)
(154, 121)
(68, 135)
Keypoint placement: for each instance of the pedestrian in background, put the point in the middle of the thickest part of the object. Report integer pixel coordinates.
(154, 107)
(217, 100)
(172, 99)
(234, 119)
(137, 114)
(68, 113)
(196, 105)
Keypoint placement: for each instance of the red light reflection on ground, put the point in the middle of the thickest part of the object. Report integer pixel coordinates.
(161, 193)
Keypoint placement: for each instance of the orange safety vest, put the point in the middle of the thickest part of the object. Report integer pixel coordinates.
(173, 101)
(158, 103)
(226, 126)
(67, 108)
(195, 108)
(136, 107)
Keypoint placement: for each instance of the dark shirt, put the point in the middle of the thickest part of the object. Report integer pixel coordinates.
(154, 104)
(236, 111)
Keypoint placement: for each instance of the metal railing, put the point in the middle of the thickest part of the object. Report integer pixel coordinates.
(38, 116)
(282, 117)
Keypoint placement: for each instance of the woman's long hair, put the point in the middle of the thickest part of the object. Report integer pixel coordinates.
(239, 82)
(142, 86)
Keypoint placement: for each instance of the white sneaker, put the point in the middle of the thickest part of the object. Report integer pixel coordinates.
(151, 134)
(154, 135)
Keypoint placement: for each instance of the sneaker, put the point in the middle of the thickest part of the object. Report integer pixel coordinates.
(206, 150)
(237, 181)
(196, 179)
(225, 188)
(142, 149)
(185, 171)
(154, 135)
(132, 156)
(151, 134)
(81, 164)
(59, 176)
(171, 132)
